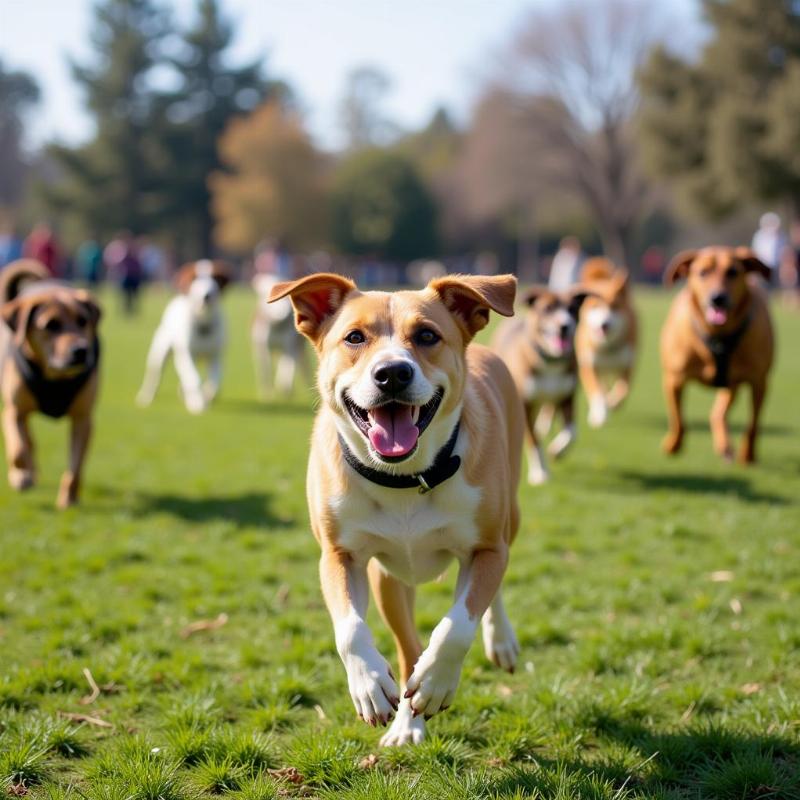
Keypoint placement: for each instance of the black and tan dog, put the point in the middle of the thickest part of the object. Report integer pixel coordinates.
(718, 332)
(49, 355)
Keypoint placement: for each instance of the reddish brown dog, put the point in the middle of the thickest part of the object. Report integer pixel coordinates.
(718, 332)
(48, 363)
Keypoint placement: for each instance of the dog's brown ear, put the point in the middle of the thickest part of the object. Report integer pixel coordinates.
(752, 263)
(90, 304)
(315, 299)
(17, 316)
(532, 294)
(186, 274)
(678, 268)
(469, 298)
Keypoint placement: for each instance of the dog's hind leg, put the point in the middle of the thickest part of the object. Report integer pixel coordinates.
(499, 641)
(395, 603)
(19, 449)
(214, 379)
(156, 358)
(537, 468)
(565, 437)
(747, 453)
(719, 422)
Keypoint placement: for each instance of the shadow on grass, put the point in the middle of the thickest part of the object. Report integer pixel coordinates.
(659, 422)
(243, 510)
(701, 483)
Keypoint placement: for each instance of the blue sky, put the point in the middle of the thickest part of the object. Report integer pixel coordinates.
(435, 51)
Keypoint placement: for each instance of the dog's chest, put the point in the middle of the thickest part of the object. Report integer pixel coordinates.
(617, 358)
(413, 536)
(550, 384)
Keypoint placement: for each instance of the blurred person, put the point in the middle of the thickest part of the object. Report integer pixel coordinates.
(10, 246)
(653, 262)
(122, 261)
(271, 258)
(89, 262)
(42, 246)
(153, 260)
(769, 241)
(789, 270)
(566, 267)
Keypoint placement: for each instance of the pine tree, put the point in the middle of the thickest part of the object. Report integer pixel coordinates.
(210, 93)
(725, 127)
(112, 183)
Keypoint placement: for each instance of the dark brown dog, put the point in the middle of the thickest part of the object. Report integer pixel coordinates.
(49, 356)
(718, 332)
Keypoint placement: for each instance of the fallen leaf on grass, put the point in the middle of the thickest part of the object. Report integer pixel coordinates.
(721, 576)
(320, 711)
(750, 688)
(736, 605)
(289, 774)
(100, 723)
(368, 762)
(504, 691)
(204, 625)
(17, 790)
(95, 689)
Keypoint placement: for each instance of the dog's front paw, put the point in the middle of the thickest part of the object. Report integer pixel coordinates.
(144, 399)
(537, 475)
(405, 728)
(21, 479)
(598, 412)
(562, 442)
(195, 403)
(671, 443)
(372, 687)
(433, 683)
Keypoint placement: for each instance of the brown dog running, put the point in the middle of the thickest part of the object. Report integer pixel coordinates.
(718, 332)
(49, 357)
(414, 463)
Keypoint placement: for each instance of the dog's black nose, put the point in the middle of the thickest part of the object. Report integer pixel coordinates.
(393, 376)
(719, 300)
(79, 355)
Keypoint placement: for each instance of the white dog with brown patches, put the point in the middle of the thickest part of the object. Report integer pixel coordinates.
(192, 328)
(414, 463)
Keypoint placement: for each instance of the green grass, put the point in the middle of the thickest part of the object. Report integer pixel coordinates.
(640, 676)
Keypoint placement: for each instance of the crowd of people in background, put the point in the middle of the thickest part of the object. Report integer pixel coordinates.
(130, 261)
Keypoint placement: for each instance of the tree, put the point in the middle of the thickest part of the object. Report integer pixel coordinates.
(18, 92)
(571, 82)
(113, 182)
(363, 120)
(381, 207)
(724, 127)
(273, 182)
(210, 93)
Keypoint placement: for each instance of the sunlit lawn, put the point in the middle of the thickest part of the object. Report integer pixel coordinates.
(656, 602)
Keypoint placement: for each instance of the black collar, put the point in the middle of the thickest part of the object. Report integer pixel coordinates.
(54, 396)
(444, 466)
(722, 346)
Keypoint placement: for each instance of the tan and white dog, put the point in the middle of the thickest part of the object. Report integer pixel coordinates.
(605, 342)
(273, 330)
(192, 328)
(414, 463)
(538, 348)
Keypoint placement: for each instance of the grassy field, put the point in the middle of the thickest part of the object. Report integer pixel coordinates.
(657, 602)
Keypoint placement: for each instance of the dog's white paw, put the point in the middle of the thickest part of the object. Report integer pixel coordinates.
(598, 412)
(144, 399)
(21, 479)
(562, 442)
(433, 684)
(405, 728)
(499, 642)
(538, 475)
(195, 403)
(372, 688)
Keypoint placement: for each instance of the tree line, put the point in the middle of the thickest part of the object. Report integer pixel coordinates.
(596, 120)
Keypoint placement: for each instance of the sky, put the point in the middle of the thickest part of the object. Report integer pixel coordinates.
(436, 52)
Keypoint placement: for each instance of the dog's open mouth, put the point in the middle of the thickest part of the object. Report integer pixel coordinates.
(393, 428)
(716, 316)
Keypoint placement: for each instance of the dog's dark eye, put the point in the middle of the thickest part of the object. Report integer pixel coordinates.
(81, 322)
(731, 273)
(355, 337)
(426, 337)
(53, 325)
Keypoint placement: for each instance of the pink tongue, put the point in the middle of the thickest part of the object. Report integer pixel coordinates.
(391, 432)
(716, 316)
